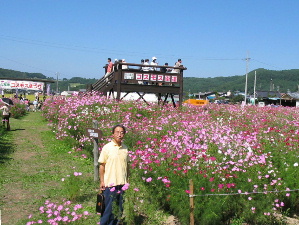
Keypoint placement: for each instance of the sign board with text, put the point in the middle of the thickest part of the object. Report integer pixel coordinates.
(17, 84)
(95, 133)
(156, 77)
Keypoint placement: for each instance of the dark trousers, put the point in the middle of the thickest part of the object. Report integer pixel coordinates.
(113, 203)
(6, 119)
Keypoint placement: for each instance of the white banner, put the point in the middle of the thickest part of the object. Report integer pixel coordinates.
(18, 84)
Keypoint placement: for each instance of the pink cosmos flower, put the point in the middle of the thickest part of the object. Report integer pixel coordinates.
(149, 179)
(112, 189)
(125, 187)
(78, 206)
(165, 181)
(220, 186)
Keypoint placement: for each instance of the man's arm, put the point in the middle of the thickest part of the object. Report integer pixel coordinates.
(102, 172)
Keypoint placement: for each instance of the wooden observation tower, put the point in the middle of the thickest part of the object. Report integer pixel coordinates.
(134, 78)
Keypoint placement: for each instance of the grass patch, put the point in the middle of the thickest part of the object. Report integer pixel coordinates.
(6, 146)
(33, 164)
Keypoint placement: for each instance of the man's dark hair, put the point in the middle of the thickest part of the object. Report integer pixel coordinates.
(118, 125)
(109, 59)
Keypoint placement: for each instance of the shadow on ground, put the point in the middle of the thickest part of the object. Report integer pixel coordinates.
(6, 146)
(17, 129)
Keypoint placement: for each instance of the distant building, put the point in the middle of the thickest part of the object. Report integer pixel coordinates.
(269, 97)
(290, 99)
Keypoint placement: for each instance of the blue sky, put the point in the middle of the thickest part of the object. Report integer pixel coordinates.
(75, 37)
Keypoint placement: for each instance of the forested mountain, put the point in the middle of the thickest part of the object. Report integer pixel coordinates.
(282, 80)
(5, 73)
(63, 84)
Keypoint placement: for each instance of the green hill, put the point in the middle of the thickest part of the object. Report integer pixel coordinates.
(282, 80)
(64, 85)
(5, 73)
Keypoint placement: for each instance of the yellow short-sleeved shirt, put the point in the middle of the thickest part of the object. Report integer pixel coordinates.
(116, 159)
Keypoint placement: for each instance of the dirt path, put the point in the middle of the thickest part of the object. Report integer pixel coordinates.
(28, 147)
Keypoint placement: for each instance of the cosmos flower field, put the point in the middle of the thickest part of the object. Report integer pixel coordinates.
(243, 161)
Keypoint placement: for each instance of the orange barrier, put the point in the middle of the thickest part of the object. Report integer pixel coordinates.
(197, 102)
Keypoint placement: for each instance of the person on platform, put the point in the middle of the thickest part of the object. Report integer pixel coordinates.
(154, 63)
(109, 69)
(177, 64)
(146, 68)
(165, 69)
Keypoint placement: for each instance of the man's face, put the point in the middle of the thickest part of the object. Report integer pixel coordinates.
(118, 134)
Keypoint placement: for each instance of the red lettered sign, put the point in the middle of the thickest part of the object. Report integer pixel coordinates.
(145, 76)
(139, 76)
(167, 78)
(174, 79)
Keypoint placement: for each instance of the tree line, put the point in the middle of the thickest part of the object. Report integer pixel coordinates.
(266, 80)
(276, 80)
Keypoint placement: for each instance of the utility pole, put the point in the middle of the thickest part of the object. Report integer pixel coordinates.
(271, 85)
(254, 87)
(57, 83)
(247, 64)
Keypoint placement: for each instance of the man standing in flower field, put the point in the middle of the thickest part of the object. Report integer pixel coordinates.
(5, 115)
(113, 175)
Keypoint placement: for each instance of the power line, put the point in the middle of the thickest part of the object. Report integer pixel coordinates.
(38, 68)
(103, 50)
(267, 64)
(26, 64)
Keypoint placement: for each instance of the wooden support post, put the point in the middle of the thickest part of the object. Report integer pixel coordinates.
(181, 88)
(119, 80)
(125, 95)
(141, 97)
(191, 188)
(173, 102)
(95, 125)
(165, 100)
